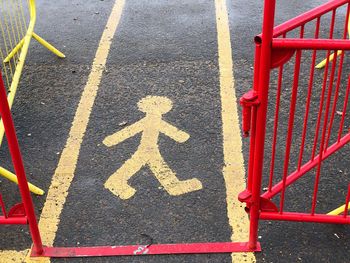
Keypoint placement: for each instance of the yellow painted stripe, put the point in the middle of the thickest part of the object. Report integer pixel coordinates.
(13, 256)
(62, 179)
(233, 171)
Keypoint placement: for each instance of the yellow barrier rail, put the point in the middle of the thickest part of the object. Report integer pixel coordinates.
(11, 30)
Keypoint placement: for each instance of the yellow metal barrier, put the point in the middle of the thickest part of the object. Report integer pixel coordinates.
(16, 39)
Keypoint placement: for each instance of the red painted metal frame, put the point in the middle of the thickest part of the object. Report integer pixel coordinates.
(307, 17)
(319, 44)
(154, 249)
(273, 50)
(302, 217)
(13, 221)
(29, 217)
(294, 176)
(261, 87)
(269, 54)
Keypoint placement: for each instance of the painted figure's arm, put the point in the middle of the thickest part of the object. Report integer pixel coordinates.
(123, 134)
(173, 132)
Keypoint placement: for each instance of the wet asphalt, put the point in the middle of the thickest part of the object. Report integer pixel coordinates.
(161, 48)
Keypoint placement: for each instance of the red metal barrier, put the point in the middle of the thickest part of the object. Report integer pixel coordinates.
(278, 159)
(292, 113)
(22, 213)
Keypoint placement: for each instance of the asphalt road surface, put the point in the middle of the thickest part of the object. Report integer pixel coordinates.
(140, 95)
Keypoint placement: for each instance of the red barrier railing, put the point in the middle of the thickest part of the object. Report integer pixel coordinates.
(302, 106)
(22, 213)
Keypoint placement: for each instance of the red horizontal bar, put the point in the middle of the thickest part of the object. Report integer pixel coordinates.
(306, 167)
(307, 16)
(302, 217)
(314, 44)
(13, 220)
(155, 249)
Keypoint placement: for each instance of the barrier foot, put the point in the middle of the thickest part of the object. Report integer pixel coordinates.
(48, 46)
(41, 41)
(139, 250)
(13, 178)
(14, 51)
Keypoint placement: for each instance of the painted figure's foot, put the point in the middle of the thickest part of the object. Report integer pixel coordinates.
(122, 190)
(183, 187)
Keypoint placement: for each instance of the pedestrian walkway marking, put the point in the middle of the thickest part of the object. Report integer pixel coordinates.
(233, 171)
(148, 152)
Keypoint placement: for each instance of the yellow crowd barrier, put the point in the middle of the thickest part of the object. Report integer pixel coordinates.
(16, 37)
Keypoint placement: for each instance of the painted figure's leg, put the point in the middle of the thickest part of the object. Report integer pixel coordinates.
(168, 179)
(118, 182)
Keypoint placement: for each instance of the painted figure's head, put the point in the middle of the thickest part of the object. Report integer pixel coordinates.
(155, 105)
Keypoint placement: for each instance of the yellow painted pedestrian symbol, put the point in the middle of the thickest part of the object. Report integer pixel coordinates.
(148, 153)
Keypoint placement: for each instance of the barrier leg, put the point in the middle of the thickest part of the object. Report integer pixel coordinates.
(42, 41)
(14, 51)
(344, 208)
(331, 57)
(338, 210)
(48, 46)
(13, 178)
(31, 34)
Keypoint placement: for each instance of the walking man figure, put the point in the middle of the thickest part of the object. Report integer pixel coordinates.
(148, 152)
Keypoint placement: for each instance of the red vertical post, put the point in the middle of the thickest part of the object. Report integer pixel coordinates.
(347, 200)
(263, 87)
(253, 119)
(19, 168)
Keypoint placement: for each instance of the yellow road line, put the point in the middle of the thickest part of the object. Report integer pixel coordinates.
(233, 171)
(62, 179)
(13, 256)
